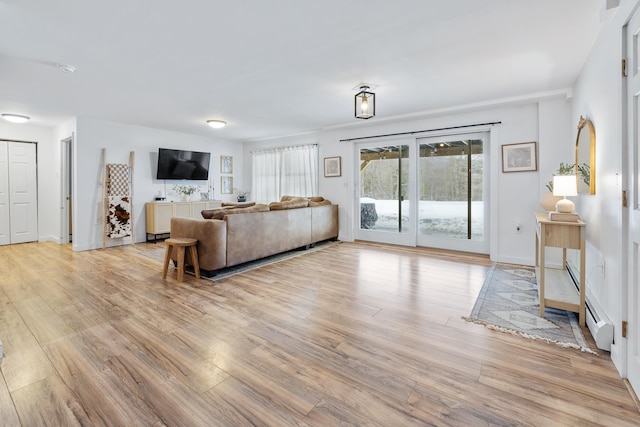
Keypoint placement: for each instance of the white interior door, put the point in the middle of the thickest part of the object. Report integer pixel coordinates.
(5, 225)
(23, 196)
(632, 151)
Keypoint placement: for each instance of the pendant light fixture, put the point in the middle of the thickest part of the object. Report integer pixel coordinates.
(365, 103)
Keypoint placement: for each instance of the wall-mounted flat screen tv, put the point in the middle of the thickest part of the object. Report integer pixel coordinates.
(183, 164)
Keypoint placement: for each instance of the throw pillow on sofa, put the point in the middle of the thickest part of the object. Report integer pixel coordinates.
(311, 199)
(320, 203)
(237, 204)
(256, 207)
(217, 213)
(294, 203)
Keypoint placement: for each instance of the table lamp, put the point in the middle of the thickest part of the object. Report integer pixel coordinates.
(565, 185)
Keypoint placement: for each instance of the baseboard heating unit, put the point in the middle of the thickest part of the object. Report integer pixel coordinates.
(599, 325)
(601, 330)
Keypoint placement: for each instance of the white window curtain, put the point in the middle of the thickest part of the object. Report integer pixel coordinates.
(285, 171)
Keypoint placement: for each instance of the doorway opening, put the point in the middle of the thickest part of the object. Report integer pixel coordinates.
(66, 192)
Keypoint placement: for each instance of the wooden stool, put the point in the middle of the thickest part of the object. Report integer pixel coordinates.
(181, 244)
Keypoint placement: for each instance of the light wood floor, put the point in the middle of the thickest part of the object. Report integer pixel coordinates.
(357, 334)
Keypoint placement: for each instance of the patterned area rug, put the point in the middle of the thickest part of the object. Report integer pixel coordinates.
(508, 302)
(158, 255)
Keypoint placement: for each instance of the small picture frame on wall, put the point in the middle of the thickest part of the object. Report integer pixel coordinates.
(226, 164)
(520, 157)
(226, 184)
(332, 166)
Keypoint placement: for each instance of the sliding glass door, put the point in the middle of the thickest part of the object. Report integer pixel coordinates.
(425, 192)
(385, 186)
(451, 192)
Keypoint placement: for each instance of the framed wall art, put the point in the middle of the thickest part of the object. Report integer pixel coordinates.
(519, 157)
(332, 166)
(226, 184)
(226, 164)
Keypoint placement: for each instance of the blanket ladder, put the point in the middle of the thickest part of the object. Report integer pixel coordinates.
(117, 199)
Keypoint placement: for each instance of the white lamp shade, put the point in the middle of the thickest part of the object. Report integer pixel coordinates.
(565, 185)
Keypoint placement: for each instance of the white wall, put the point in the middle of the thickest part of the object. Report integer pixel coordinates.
(91, 136)
(119, 140)
(597, 96)
(514, 196)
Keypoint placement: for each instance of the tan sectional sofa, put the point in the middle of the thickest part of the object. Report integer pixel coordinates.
(246, 235)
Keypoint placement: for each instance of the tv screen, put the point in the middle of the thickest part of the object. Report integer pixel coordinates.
(183, 164)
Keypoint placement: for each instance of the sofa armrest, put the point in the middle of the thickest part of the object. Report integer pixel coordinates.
(324, 223)
(212, 239)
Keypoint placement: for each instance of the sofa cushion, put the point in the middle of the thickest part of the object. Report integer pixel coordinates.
(217, 213)
(294, 203)
(256, 207)
(320, 203)
(237, 204)
(311, 199)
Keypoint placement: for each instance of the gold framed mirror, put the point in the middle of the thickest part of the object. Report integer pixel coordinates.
(586, 157)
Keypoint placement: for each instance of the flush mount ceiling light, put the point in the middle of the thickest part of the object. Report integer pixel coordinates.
(365, 103)
(66, 68)
(216, 124)
(16, 118)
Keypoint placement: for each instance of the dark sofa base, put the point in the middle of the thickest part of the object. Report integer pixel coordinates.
(212, 273)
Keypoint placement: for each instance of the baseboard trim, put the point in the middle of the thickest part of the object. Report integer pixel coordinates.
(632, 393)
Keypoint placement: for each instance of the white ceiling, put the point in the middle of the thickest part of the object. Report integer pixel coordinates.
(281, 67)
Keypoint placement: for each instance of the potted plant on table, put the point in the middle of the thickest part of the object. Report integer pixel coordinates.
(185, 190)
(241, 194)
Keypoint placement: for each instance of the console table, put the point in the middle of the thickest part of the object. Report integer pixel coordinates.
(159, 214)
(555, 287)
